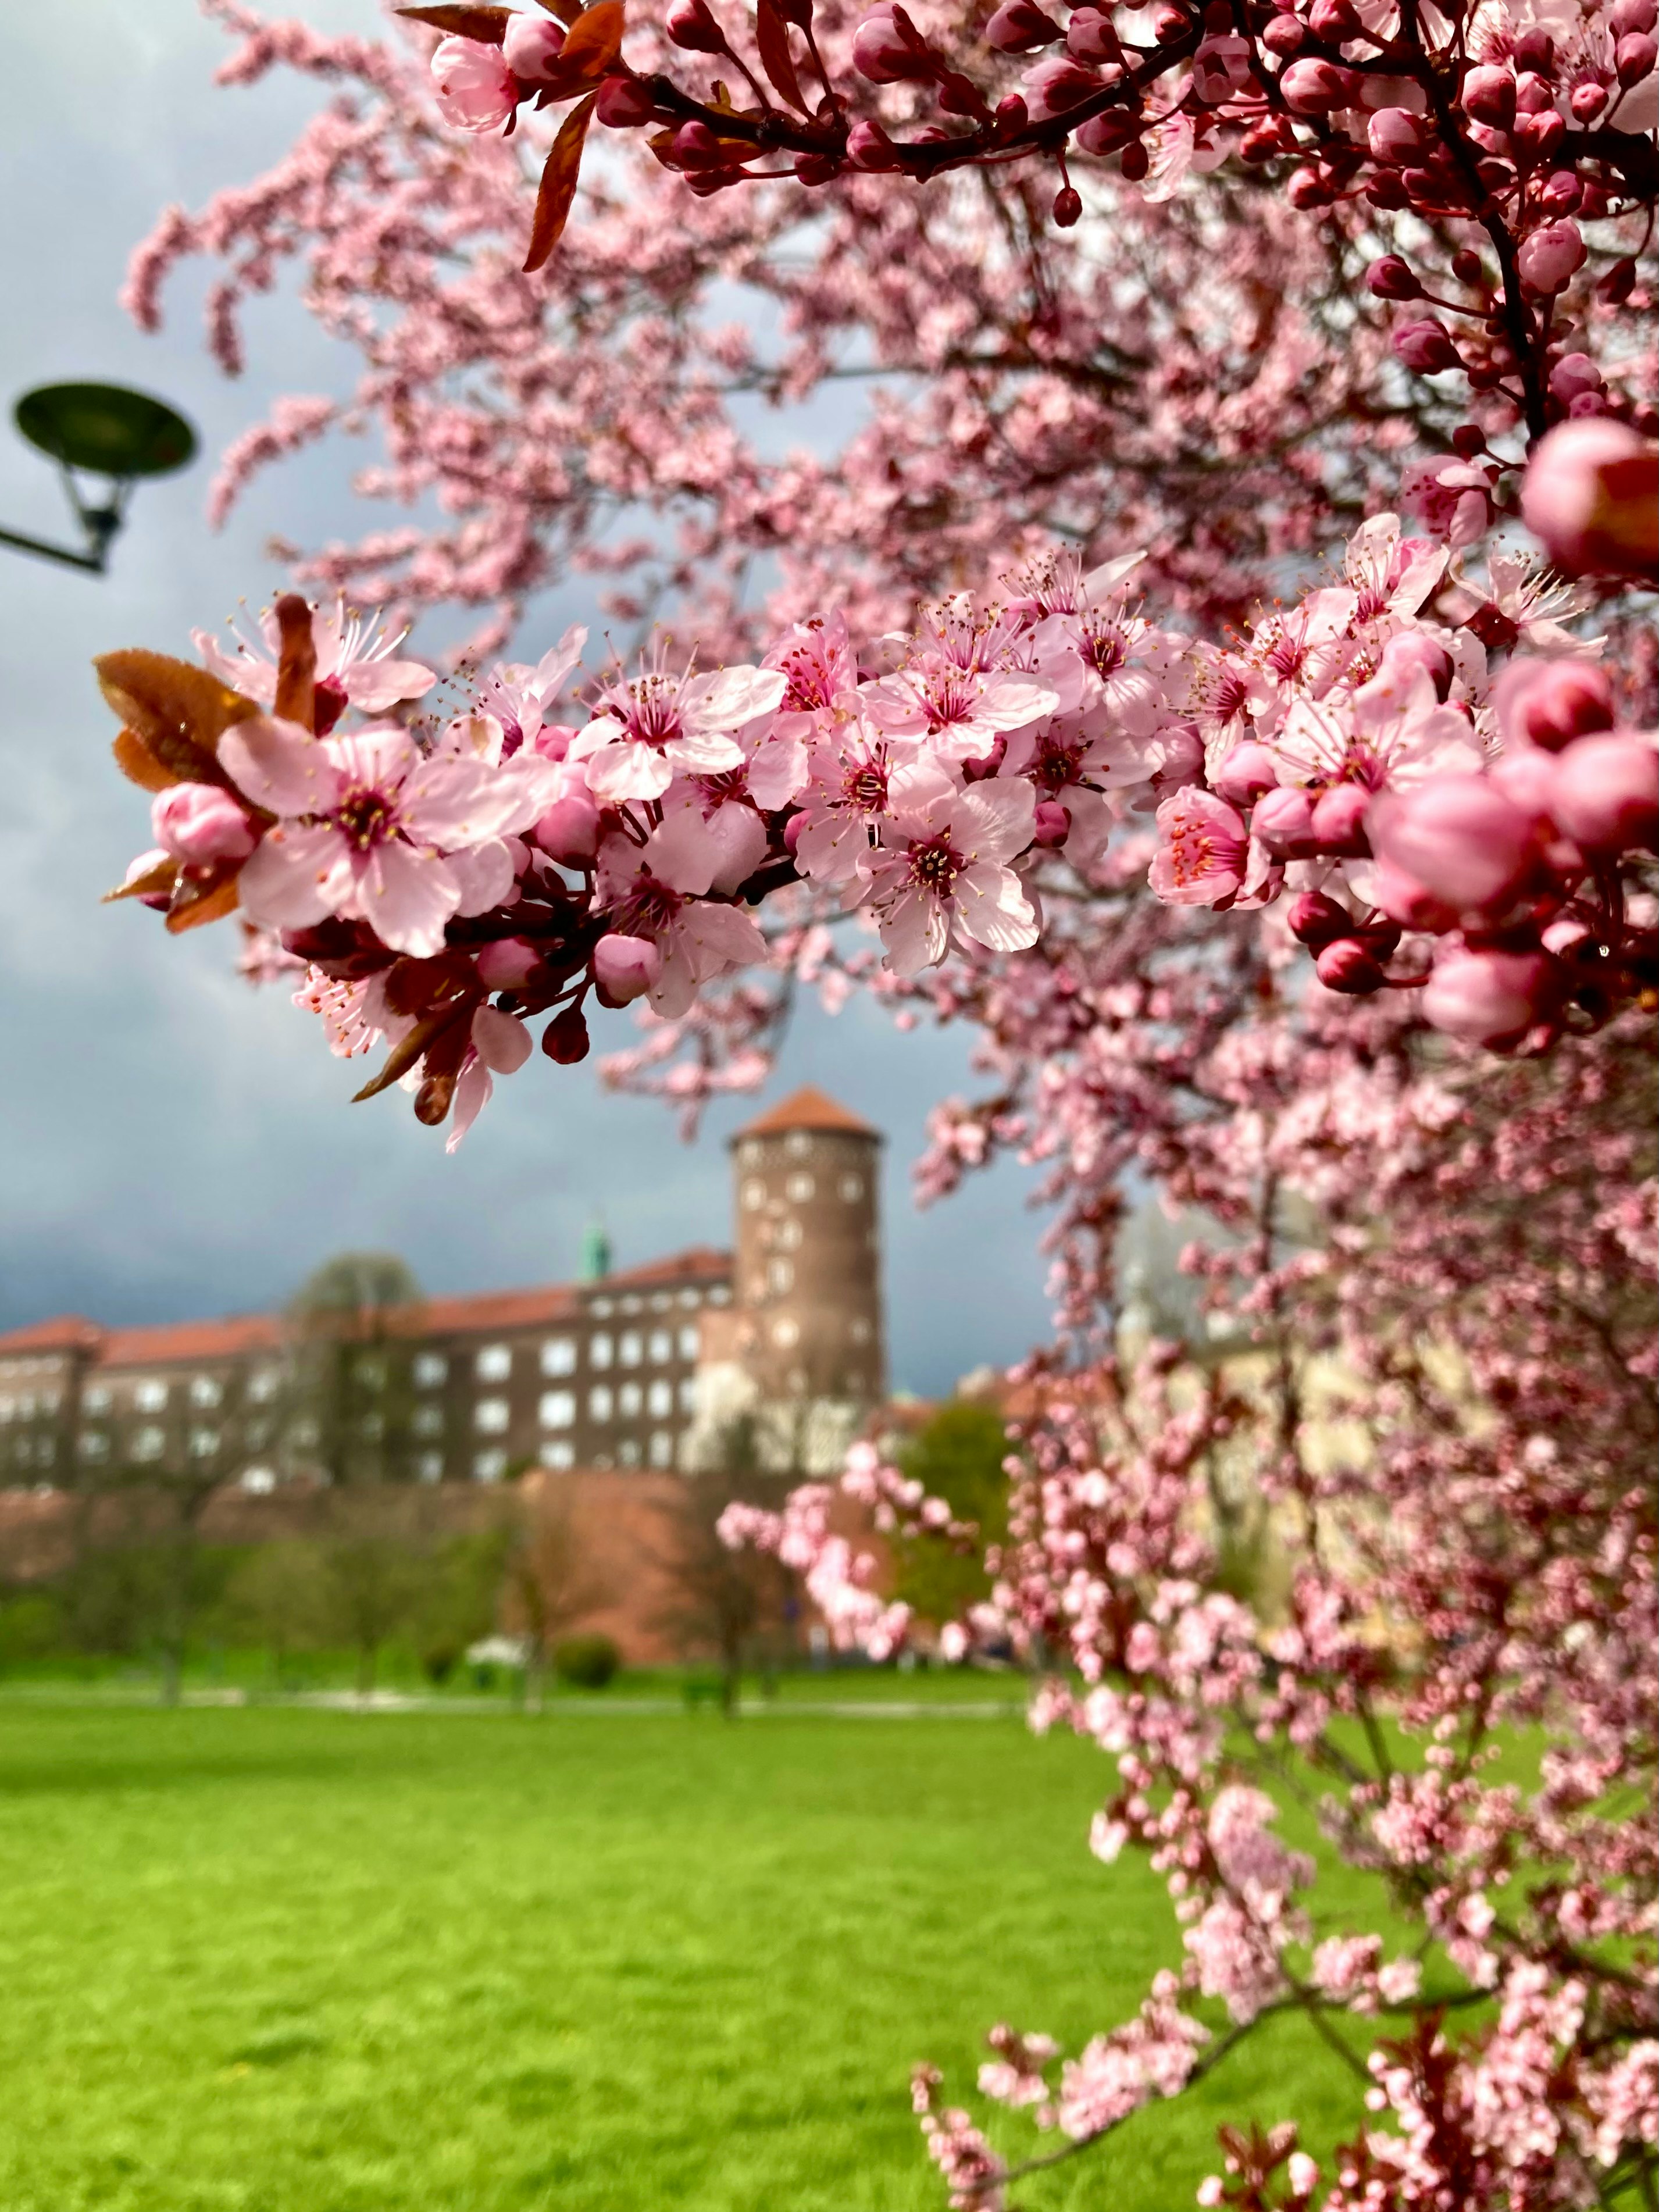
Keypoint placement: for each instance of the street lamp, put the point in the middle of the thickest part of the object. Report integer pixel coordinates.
(107, 431)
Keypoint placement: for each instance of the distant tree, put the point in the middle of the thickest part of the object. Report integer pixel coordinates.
(375, 1550)
(459, 1595)
(349, 1397)
(276, 1596)
(552, 1582)
(732, 1604)
(958, 1456)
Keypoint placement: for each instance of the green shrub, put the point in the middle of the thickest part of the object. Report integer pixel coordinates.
(586, 1662)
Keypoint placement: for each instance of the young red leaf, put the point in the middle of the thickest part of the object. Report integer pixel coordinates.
(487, 25)
(595, 42)
(772, 37)
(139, 765)
(178, 712)
(297, 664)
(199, 900)
(558, 186)
(163, 876)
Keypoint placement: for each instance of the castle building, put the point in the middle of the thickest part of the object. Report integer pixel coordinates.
(644, 1367)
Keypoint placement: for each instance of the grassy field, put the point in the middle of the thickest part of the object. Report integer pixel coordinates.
(283, 1960)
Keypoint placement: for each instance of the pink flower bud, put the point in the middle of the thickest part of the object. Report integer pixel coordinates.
(1104, 134)
(531, 45)
(1404, 900)
(474, 85)
(1284, 822)
(198, 823)
(1394, 135)
(1425, 348)
(690, 25)
(1246, 773)
(1409, 650)
(1053, 824)
(1634, 58)
(868, 147)
(1555, 702)
(1587, 101)
(1606, 793)
(1551, 256)
(1055, 84)
(1350, 967)
(569, 830)
(1285, 35)
(1314, 87)
(506, 963)
(1573, 374)
(1393, 278)
(1632, 15)
(888, 49)
(794, 830)
(1488, 998)
(1561, 193)
(1488, 96)
(1460, 837)
(1018, 27)
(1338, 820)
(622, 104)
(1089, 37)
(1591, 494)
(625, 968)
(565, 1039)
(1527, 775)
(1316, 920)
(1538, 135)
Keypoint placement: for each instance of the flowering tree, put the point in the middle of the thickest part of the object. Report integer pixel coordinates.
(1333, 921)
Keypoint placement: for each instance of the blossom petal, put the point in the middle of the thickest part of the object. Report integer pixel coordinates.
(279, 766)
(407, 897)
(298, 875)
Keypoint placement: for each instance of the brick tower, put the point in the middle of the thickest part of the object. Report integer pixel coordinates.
(802, 1352)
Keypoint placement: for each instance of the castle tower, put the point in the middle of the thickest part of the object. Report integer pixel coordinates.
(802, 1352)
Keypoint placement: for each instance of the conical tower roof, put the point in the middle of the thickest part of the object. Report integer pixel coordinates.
(809, 1108)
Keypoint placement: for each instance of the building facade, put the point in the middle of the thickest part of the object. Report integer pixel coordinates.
(645, 1368)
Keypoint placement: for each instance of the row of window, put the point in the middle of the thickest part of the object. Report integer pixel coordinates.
(558, 1355)
(659, 1301)
(800, 1190)
(560, 1455)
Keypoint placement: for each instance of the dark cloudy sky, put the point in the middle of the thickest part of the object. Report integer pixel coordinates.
(172, 1143)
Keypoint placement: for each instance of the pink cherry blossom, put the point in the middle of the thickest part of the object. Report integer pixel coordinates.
(474, 85)
(659, 724)
(356, 666)
(938, 872)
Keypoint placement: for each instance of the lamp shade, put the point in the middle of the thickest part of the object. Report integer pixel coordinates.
(103, 427)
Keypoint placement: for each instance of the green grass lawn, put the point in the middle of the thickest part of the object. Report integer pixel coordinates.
(286, 1960)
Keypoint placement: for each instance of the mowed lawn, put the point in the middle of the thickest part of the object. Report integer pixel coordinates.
(285, 1960)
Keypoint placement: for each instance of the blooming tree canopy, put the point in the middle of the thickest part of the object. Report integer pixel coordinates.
(1217, 674)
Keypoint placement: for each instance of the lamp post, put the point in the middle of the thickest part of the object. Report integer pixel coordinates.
(101, 430)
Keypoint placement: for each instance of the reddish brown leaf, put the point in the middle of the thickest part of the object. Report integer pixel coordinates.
(595, 41)
(139, 765)
(296, 665)
(566, 10)
(772, 37)
(487, 25)
(204, 899)
(409, 1047)
(558, 187)
(162, 878)
(179, 712)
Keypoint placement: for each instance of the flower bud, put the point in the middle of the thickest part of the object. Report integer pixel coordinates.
(1535, 53)
(1394, 133)
(1282, 820)
(1089, 37)
(1135, 161)
(1314, 87)
(1551, 256)
(1405, 901)
(1246, 773)
(506, 963)
(1409, 650)
(1425, 348)
(1460, 837)
(565, 1039)
(1587, 101)
(625, 968)
(690, 25)
(198, 823)
(474, 89)
(1053, 85)
(1053, 824)
(1068, 206)
(531, 45)
(1338, 820)
(1488, 998)
(1104, 134)
(1488, 96)
(888, 49)
(1316, 920)
(1573, 374)
(1285, 35)
(1606, 793)
(869, 147)
(1567, 699)
(1634, 58)
(1350, 967)
(622, 105)
(1019, 26)
(1626, 16)
(569, 830)
(1393, 278)
(1539, 136)
(1591, 494)
(1335, 20)
(1561, 193)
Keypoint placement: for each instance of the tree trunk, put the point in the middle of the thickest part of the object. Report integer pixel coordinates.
(366, 1657)
(535, 1679)
(172, 1673)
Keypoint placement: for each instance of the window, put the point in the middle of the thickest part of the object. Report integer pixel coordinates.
(373, 1425)
(690, 1299)
(203, 1442)
(494, 1363)
(599, 1308)
(661, 1347)
(797, 1144)
(95, 1444)
(258, 1479)
(430, 1467)
(263, 1383)
(754, 1194)
(558, 1409)
(753, 1152)
(491, 1415)
(661, 1302)
(628, 1400)
(431, 1368)
(851, 1188)
(598, 1403)
(151, 1395)
(662, 1449)
(690, 1342)
(780, 1277)
(628, 1453)
(370, 1372)
(660, 1401)
(786, 1236)
(148, 1443)
(559, 1455)
(688, 1395)
(630, 1348)
(720, 1296)
(96, 1398)
(860, 1331)
(429, 1421)
(489, 1467)
(257, 1435)
(786, 1332)
(559, 1356)
(800, 1189)
(304, 1433)
(5, 1409)
(633, 1305)
(599, 1351)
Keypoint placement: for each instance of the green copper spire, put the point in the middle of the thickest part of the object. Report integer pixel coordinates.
(596, 1254)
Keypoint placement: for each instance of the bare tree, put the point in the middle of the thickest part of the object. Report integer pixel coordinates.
(732, 1604)
(552, 1583)
(349, 1394)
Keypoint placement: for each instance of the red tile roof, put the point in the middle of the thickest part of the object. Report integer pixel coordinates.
(63, 1333)
(808, 1108)
(193, 1340)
